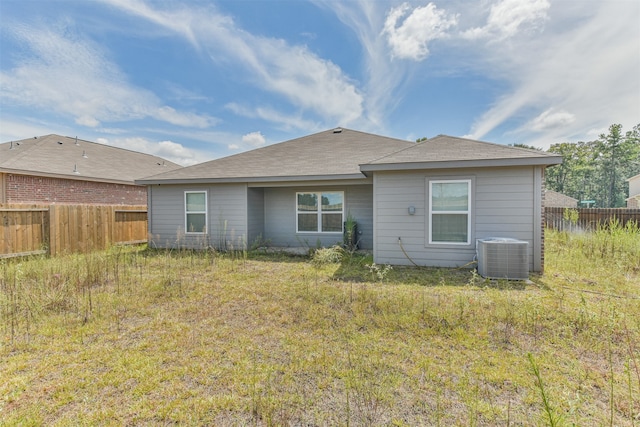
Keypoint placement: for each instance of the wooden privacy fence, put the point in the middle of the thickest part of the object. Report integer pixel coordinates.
(588, 218)
(57, 229)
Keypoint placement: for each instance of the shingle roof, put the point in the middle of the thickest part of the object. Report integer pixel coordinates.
(58, 156)
(349, 154)
(331, 154)
(449, 151)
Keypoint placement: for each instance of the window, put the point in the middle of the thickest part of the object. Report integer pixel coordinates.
(195, 213)
(450, 212)
(319, 212)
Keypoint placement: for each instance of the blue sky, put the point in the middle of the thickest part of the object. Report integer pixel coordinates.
(196, 80)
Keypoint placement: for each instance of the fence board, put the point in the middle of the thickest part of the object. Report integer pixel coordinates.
(27, 229)
(589, 218)
(130, 225)
(23, 229)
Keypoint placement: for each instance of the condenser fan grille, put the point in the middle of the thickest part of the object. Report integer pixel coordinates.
(503, 258)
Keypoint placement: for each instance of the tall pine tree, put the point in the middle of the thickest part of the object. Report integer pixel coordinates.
(597, 170)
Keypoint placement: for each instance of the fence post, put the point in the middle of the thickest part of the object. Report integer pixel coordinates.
(590, 218)
(46, 229)
(53, 230)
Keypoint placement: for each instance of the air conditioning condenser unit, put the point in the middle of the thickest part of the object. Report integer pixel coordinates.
(503, 258)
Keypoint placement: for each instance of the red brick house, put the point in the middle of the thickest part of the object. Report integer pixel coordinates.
(66, 170)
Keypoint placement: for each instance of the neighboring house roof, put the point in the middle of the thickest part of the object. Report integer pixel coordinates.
(559, 200)
(349, 154)
(70, 158)
(634, 177)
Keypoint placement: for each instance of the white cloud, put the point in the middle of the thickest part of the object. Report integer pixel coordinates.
(508, 17)
(551, 119)
(409, 31)
(255, 139)
(294, 72)
(88, 121)
(585, 62)
(169, 150)
(382, 77)
(233, 147)
(170, 115)
(287, 121)
(13, 128)
(65, 74)
(308, 81)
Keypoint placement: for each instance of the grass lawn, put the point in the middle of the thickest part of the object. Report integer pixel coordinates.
(140, 337)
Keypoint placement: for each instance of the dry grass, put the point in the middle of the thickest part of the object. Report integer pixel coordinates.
(136, 337)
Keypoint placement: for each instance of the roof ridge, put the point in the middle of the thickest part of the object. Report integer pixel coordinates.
(57, 156)
(41, 140)
(115, 147)
(415, 144)
(528, 150)
(26, 150)
(418, 143)
(294, 140)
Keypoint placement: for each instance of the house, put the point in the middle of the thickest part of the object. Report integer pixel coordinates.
(59, 169)
(553, 199)
(633, 202)
(425, 203)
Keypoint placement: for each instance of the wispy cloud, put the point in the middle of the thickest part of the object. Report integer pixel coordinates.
(286, 121)
(551, 119)
(68, 75)
(565, 67)
(304, 79)
(508, 17)
(382, 77)
(576, 77)
(166, 149)
(16, 128)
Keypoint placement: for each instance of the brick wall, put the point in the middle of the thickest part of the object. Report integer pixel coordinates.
(31, 189)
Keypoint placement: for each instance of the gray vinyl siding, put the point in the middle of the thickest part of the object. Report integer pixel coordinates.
(359, 200)
(502, 206)
(255, 214)
(226, 216)
(634, 186)
(280, 216)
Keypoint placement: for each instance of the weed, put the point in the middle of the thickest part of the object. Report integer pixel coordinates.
(146, 337)
(379, 272)
(552, 417)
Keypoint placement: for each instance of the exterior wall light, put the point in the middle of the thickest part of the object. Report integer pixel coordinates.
(412, 210)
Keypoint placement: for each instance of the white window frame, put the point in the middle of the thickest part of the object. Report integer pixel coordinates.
(319, 212)
(468, 212)
(186, 213)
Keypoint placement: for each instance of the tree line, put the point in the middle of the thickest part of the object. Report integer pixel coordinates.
(596, 171)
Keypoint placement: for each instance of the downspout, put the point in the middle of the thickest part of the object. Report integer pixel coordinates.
(149, 216)
(2, 188)
(374, 236)
(538, 227)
